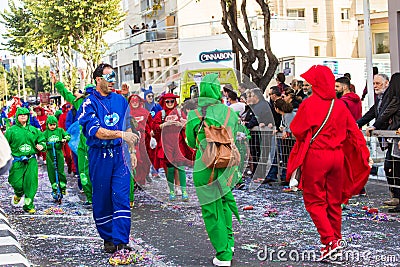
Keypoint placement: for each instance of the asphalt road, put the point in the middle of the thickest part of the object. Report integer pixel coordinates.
(277, 232)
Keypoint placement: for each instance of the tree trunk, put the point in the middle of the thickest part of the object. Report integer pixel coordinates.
(260, 75)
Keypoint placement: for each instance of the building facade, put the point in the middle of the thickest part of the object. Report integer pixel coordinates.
(186, 28)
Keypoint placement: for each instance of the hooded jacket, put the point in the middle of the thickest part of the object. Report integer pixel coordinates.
(56, 135)
(340, 132)
(172, 133)
(353, 103)
(23, 139)
(215, 113)
(140, 115)
(152, 107)
(42, 118)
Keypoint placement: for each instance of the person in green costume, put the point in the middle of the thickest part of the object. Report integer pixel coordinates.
(83, 161)
(216, 198)
(25, 141)
(59, 136)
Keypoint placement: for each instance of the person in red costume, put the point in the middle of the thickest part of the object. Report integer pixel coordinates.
(142, 120)
(335, 166)
(41, 117)
(168, 127)
(66, 150)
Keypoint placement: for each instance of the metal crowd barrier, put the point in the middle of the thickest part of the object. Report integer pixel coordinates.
(269, 153)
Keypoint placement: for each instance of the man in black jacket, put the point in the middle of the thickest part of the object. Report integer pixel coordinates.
(377, 112)
(261, 125)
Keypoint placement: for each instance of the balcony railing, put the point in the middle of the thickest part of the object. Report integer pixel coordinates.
(148, 35)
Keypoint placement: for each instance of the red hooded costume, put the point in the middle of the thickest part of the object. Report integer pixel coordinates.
(167, 150)
(353, 102)
(66, 150)
(335, 166)
(42, 117)
(143, 121)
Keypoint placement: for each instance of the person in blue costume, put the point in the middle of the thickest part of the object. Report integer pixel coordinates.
(150, 103)
(103, 124)
(153, 108)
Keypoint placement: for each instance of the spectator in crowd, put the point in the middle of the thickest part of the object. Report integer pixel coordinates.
(154, 30)
(393, 159)
(352, 88)
(235, 104)
(307, 89)
(351, 99)
(365, 91)
(274, 95)
(297, 86)
(260, 118)
(385, 112)
(243, 88)
(290, 97)
(280, 80)
(225, 90)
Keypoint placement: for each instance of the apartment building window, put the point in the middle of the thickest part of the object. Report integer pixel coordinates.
(345, 13)
(316, 51)
(381, 43)
(315, 15)
(297, 13)
(127, 73)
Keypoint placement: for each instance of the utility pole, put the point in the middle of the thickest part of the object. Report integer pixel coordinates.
(19, 81)
(5, 85)
(36, 80)
(368, 53)
(23, 77)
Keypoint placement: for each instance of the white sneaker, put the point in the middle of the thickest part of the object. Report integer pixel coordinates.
(217, 262)
(178, 191)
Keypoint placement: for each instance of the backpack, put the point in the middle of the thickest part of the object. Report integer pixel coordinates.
(220, 151)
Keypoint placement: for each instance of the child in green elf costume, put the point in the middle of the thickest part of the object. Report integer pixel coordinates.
(25, 141)
(54, 134)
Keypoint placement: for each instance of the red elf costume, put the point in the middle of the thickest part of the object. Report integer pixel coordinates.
(143, 121)
(172, 152)
(334, 166)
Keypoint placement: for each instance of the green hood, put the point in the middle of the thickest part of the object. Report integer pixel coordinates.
(210, 90)
(22, 111)
(51, 120)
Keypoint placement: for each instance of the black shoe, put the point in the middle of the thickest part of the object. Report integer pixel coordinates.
(395, 209)
(124, 246)
(109, 247)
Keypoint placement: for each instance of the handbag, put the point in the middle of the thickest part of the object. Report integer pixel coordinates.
(296, 175)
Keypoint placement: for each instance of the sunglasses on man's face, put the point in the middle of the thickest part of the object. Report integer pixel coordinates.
(110, 77)
(150, 96)
(170, 101)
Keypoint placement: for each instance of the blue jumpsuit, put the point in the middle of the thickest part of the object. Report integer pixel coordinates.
(109, 173)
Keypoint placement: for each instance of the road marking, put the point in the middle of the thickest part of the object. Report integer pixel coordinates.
(8, 240)
(13, 258)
